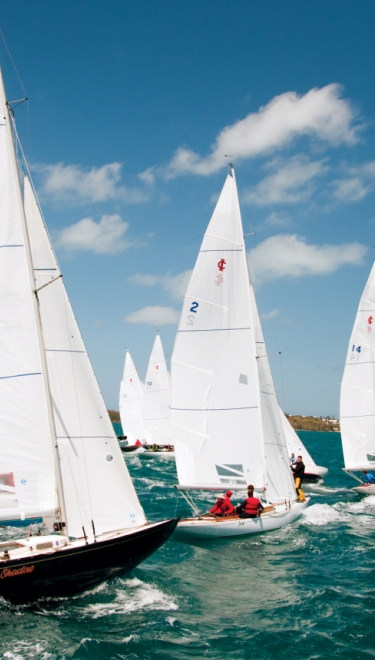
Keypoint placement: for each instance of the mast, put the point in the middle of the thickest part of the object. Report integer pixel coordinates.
(47, 390)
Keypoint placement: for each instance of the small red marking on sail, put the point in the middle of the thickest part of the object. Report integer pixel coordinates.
(219, 279)
(370, 320)
(157, 367)
(221, 265)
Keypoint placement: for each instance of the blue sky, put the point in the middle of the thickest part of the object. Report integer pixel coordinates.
(132, 108)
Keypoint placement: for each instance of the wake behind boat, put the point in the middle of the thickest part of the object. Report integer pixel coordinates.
(60, 456)
(227, 426)
(357, 402)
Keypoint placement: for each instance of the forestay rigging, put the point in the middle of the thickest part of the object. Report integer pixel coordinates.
(357, 403)
(97, 488)
(157, 396)
(131, 403)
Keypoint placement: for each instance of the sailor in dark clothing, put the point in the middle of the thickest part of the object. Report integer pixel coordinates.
(251, 506)
(298, 470)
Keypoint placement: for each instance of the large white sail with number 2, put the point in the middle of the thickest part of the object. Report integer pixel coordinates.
(226, 422)
(97, 487)
(357, 403)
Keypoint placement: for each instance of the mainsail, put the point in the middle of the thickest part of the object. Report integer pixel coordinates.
(157, 396)
(357, 403)
(131, 403)
(98, 491)
(226, 424)
(27, 482)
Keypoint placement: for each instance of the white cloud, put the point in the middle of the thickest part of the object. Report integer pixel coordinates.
(175, 285)
(320, 113)
(77, 185)
(268, 316)
(357, 185)
(289, 181)
(148, 176)
(290, 256)
(278, 219)
(154, 316)
(106, 236)
(350, 190)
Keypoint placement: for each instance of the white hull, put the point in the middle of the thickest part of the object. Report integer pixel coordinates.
(147, 453)
(365, 490)
(211, 528)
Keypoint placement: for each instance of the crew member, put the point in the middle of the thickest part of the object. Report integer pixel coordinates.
(251, 506)
(138, 443)
(298, 470)
(218, 508)
(155, 447)
(370, 478)
(227, 504)
(292, 459)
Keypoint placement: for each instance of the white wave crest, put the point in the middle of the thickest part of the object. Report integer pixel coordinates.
(320, 514)
(22, 649)
(136, 595)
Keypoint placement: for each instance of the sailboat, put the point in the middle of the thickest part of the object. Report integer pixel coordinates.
(57, 444)
(157, 400)
(226, 422)
(357, 401)
(131, 408)
(145, 409)
(313, 472)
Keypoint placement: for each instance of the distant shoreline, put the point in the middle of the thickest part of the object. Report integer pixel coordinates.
(298, 422)
(309, 423)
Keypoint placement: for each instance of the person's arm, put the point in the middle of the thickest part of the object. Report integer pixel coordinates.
(241, 506)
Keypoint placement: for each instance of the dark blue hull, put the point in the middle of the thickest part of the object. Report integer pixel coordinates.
(68, 571)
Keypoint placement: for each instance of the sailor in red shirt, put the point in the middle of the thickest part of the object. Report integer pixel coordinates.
(227, 505)
(251, 506)
(218, 509)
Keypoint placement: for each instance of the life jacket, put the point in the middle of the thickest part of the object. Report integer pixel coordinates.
(251, 506)
(228, 506)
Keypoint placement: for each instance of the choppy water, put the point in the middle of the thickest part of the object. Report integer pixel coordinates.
(305, 591)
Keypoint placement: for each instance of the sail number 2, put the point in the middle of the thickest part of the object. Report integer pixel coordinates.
(193, 308)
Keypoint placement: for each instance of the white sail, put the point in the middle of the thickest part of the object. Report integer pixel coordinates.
(131, 403)
(157, 396)
(218, 406)
(279, 479)
(357, 403)
(97, 488)
(295, 444)
(26, 450)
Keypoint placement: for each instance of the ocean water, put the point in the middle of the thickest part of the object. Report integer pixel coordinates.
(305, 591)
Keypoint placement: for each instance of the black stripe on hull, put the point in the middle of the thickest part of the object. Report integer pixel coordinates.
(67, 572)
